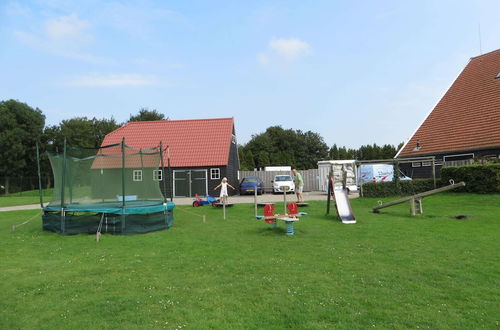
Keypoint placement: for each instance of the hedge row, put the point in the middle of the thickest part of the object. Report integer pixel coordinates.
(480, 178)
(386, 189)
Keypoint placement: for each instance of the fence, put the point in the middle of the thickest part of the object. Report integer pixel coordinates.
(311, 179)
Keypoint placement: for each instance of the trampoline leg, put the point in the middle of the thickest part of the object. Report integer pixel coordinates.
(289, 228)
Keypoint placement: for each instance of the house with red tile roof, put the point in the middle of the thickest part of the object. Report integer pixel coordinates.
(465, 123)
(201, 152)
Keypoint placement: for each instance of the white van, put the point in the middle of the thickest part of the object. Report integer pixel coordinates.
(377, 173)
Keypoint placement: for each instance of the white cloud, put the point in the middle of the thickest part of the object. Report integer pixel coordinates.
(67, 27)
(64, 36)
(112, 80)
(284, 49)
(291, 48)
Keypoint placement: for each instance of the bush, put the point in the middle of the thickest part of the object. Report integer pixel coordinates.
(479, 178)
(406, 188)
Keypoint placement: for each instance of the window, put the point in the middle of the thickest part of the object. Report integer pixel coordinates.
(157, 175)
(426, 163)
(416, 164)
(214, 173)
(498, 76)
(233, 139)
(137, 175)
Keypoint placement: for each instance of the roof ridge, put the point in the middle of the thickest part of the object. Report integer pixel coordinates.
(178, 120)
(488, 53)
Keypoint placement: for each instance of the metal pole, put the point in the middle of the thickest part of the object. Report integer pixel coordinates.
(39, 175)
(63, 183)
(163, 176)
(123, 184)
(170, 176)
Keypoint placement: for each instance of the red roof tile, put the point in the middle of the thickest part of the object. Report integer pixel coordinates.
(468, 115)
(198, 142)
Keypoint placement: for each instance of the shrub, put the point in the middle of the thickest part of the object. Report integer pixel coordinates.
(406, 188)
(479, 178)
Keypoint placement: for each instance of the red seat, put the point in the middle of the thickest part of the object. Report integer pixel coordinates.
(293, 209)
(269, 212)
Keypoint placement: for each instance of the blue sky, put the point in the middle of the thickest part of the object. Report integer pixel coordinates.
(357, 72)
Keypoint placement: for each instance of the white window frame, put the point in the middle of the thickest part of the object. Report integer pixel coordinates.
(215, 173)
(137, 175)
(157, 175)
(416, 164)
(426, 163)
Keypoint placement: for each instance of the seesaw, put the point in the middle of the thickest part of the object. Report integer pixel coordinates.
(416, 200)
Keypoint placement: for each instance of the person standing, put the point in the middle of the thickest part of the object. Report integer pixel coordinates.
(299, 185)
(223, 190)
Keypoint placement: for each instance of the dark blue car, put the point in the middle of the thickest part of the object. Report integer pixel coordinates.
(248, 184)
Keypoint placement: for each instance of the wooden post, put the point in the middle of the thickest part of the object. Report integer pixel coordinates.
(419, 206)
(255, 199)
(224, 206)
(412, 206)
(434, 170)
(284, 198)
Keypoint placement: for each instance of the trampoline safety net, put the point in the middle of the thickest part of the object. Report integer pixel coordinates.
(115, 188)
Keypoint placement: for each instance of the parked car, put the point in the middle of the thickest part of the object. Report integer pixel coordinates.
(283, 180)
(247, 185)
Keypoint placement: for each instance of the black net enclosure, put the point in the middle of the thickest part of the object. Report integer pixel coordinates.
(112, 189)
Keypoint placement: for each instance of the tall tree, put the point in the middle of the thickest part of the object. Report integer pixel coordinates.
(147, 115)
(278, 146)
(81, 131)
(21, 127)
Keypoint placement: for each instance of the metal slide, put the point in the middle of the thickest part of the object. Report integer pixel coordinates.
(343, 206)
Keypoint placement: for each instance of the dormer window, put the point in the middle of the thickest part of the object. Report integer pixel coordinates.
(417, 147)
(498, 76)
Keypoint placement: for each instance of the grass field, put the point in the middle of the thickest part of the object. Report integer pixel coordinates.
(25, 198)
(387, 271)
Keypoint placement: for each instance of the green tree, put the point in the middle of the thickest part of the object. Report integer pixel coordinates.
(247, 159)
(287, 147)
(147, 115)
(80, 131)
(21, 127)
(263, 159)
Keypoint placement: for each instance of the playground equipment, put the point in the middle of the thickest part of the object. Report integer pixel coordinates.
(289, 218)
(111, 189)
(416, 200)
(198, 201)
(340, 196)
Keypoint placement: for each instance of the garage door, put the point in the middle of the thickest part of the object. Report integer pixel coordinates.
(187, 183)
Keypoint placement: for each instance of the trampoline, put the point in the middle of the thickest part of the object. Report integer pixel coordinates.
(112, 189)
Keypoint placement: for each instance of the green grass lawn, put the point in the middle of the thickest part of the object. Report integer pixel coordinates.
(389, 270)
(25, 198)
